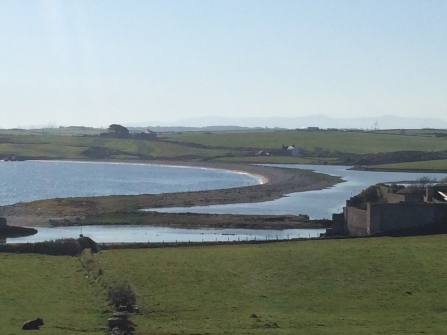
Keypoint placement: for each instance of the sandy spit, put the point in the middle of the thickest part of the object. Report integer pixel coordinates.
(274, 183)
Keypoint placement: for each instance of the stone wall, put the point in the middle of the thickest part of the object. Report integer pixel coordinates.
(338, 225)
(410, 197)
(405, 215)
(403, 211)
(357, 221)
(395, 216)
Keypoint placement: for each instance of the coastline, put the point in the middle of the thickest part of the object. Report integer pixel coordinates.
(277, 183)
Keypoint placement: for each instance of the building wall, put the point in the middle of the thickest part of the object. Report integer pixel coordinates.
(338, 225)
(410, 197)
(374, 218)
(394, 216)
(357, 221)
(393, 198)
(405, 215)
(403, 211)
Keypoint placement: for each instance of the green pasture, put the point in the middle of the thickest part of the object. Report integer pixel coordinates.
(55, 288)
(325, 147)
(71, 147)
(352, 286)
(68, 131)
(342, 141)
(435, 165)
(277, 160)
(415, 132)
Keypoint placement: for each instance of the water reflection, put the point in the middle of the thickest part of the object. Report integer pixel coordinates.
(108, 234)
(36, 180)
(317, 204)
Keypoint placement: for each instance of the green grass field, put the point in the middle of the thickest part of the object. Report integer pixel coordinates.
(440, 164)
(349, 286)
(324, 147)
(277, 160)
(52, 287)
(348, 142)
(71, 147)
(355, 286)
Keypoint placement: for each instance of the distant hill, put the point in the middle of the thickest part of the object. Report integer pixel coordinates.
(322, 121)
(179, 129)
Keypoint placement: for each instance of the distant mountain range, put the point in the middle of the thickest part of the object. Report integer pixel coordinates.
(321, 121)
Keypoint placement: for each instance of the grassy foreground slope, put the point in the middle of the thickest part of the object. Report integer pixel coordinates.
(359, 286)
(52, 287)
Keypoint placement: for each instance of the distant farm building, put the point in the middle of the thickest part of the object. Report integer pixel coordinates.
(291, 150)
(409, 209)
(146, 135)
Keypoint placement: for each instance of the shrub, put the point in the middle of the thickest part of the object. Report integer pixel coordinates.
(87, 243)
(443, 181)
(371, 194)
(122, 294)
(425, 181)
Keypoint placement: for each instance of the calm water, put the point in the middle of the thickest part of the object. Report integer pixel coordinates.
(104, 234)
(317, 204)
(35, 180)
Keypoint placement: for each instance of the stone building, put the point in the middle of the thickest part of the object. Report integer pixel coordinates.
(411, 208)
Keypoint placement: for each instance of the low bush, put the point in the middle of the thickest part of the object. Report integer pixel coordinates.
(122, 294)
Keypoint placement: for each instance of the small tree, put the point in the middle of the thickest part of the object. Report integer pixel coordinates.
(122, 294)
(118, 130)
(425, 181)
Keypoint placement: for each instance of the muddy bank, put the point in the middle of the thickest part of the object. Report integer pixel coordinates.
(196, 220)
(276, 183)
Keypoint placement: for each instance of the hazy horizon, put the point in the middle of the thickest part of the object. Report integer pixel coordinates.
(96, 63)
(321, 121)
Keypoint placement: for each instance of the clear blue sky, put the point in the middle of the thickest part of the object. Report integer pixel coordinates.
(94, 63)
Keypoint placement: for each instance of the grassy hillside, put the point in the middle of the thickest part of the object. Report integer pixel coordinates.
(359, 286)
(319, 147)
(347, 142)
(52, 287)
(351, 286)
(72, 147)
(424, 165)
